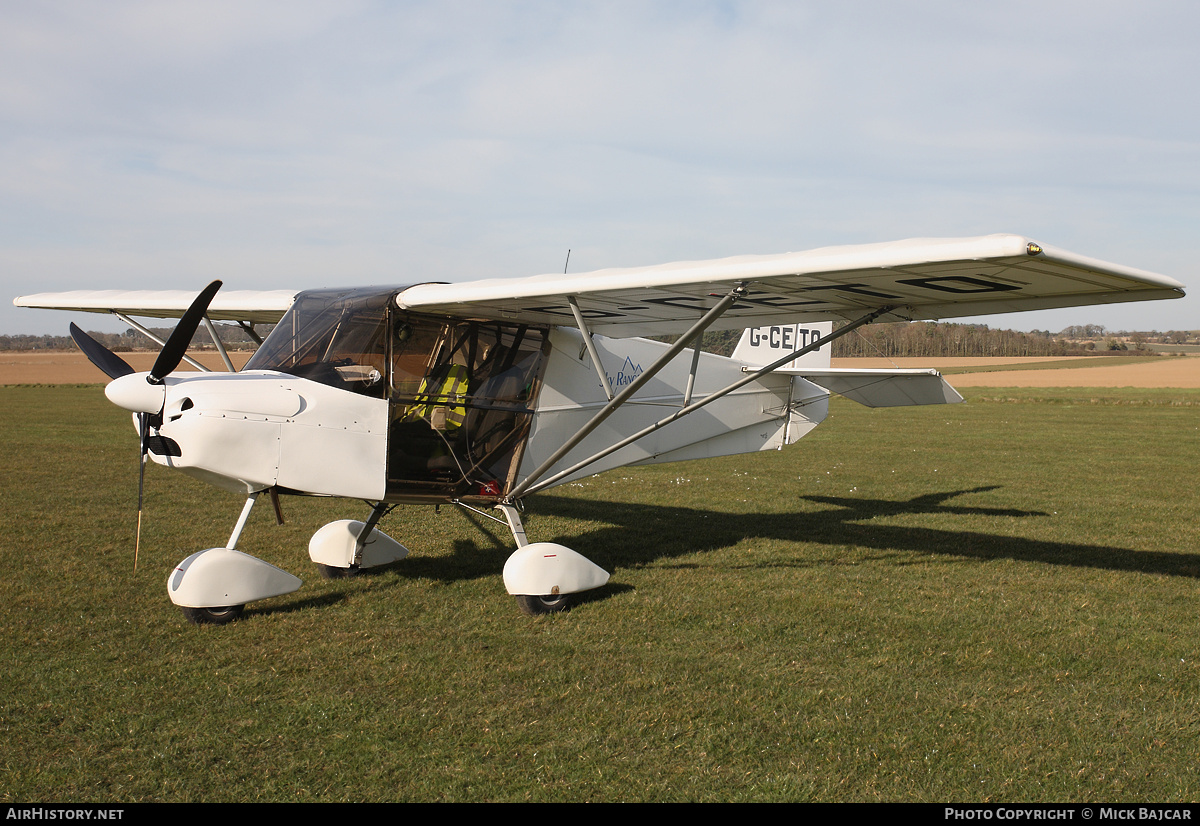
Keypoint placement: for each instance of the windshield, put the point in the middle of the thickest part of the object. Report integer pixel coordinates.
(336, 337)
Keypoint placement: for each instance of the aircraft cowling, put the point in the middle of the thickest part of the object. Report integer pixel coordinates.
(254, 430)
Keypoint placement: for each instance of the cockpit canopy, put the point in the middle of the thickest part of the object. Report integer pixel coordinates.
(335, 337)
(460, 392)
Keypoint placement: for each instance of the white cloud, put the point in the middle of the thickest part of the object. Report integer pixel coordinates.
(279, 144)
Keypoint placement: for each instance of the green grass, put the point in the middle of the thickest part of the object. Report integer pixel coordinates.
(993, 601)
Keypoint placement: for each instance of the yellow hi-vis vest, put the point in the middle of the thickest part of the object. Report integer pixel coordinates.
(449, 395)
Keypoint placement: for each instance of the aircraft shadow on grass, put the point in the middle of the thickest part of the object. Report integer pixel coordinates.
(631, 534)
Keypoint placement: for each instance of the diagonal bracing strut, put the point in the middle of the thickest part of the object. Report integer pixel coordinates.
(531, 485)
(694, 332)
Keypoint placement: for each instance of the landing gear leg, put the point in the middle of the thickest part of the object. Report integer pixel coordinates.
(513, 516)
(378, 512)
(241, 523)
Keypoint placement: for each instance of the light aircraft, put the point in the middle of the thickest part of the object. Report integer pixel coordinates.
(482, 393)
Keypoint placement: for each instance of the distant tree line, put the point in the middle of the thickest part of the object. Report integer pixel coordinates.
(927, 338)
(940, 339)
(232, 336)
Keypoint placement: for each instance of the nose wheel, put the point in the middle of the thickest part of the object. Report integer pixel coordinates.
(213, 616)
(332, 572)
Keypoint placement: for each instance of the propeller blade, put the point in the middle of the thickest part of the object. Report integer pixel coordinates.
(109, 362)
(172, 352)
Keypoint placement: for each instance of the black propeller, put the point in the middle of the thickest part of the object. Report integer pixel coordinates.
(168, 359)
(109, 362)
(172, 352)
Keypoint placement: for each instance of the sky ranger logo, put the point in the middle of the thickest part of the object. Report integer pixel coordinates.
(625, 376)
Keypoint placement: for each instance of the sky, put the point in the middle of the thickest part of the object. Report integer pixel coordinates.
(300, 144)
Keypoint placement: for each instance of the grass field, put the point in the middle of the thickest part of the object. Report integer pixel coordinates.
(993, 601)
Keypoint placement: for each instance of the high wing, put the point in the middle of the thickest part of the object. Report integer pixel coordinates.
(250, 306)
(916, 279)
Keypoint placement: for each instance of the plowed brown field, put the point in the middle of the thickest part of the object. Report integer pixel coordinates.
(1088, 371)
(65, 367)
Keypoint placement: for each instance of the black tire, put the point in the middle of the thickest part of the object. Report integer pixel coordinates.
(550, 604)
(333, 572)
(213, 616)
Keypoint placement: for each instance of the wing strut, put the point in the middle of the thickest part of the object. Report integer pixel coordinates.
(146, 332)
(528, 485)
(695, 332)
(212, 331)
(687, 394)
(249, 328)
(591, 345)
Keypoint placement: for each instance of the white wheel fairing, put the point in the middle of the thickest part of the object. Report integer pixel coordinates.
(220, 577)
(549, 569)
(333, 545)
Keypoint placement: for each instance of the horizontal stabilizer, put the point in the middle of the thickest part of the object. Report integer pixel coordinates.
(883, 388)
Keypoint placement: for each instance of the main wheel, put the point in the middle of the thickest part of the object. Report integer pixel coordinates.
(213, 616)
(549, 604)
(332, 572)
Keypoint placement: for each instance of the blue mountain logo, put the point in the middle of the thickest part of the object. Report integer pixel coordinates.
(625, 376)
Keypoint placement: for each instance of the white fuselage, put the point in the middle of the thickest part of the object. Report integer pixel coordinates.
(764, 415)
(259, 429)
